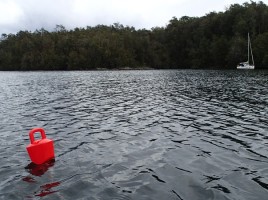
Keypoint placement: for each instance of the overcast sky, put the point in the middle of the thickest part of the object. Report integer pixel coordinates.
(16, 15)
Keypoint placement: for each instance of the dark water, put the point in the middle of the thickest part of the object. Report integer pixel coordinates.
(136, 134)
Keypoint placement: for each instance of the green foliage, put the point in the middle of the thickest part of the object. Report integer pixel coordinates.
(217, 40)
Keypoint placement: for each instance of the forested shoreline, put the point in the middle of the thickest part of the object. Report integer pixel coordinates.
(214, 41)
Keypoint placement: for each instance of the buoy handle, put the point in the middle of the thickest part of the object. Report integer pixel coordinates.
(35, 130)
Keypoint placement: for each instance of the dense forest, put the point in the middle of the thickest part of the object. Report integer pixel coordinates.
(214, 41)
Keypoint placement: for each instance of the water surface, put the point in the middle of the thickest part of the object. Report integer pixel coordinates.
(171, 134)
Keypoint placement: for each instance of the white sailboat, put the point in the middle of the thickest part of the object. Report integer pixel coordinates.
(247, 65)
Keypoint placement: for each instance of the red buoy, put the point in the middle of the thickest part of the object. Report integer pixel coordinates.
(40, 150)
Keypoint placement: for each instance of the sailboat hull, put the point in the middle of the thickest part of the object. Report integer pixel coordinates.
(246, 67)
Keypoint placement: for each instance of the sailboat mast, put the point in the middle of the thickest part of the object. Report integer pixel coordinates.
(248, 47)
(251, 53)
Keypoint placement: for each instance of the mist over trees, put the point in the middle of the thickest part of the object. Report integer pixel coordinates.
(214, 41)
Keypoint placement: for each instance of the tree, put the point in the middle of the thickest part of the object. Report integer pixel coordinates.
(216, 40)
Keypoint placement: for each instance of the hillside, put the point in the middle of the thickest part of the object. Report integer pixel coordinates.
(214, 41)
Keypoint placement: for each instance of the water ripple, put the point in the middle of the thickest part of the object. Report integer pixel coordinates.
(171, 134)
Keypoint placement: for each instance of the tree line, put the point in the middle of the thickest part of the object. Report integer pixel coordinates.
(214, 41)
